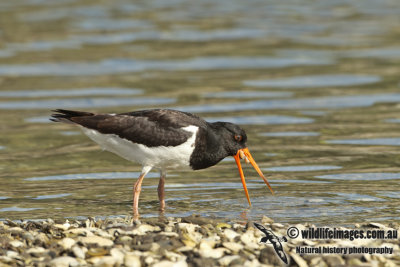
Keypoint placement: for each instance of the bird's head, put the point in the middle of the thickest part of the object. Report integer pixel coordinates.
(236, 146)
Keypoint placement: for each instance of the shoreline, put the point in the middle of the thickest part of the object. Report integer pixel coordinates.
(190, 241)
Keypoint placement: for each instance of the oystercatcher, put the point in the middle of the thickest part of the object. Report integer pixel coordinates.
(163, 139)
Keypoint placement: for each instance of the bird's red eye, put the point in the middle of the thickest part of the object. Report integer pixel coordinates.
(238, 137)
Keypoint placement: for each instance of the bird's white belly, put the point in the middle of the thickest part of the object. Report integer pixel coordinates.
(160, 156)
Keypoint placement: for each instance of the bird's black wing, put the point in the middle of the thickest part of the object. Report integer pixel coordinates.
(281, 254)
(270, 236)
(261, 228)
(158, 127)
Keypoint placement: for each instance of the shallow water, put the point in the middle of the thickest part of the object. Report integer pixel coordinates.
(315, 85)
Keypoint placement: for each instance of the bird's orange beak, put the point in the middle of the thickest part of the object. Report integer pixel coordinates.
(245, 153)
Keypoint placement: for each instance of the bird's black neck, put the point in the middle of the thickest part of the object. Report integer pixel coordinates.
(209, 150)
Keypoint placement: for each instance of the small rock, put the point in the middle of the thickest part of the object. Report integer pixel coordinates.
(225, 261)
(354, 262)
(100, 232)
(299, 260)
(106, 261)
(268, 256)
(170, 234)
(309, 242)
(15, 230)
(188, 227)
(64, 261)
(36, 251)
(165, 263)
(376, 225)
(42, 238)
(78, 252)
(172, 256)
(97, 251)
(17, 244)
(334, 260)
(207, 252)
(249, 240)
(125, 239)
(28, 236)
(118, 255)
(184, 249)
(63, 227)
(277, 225)
(318, 262)
(12, 254)
(67, 243)
(230, 234)
(223, 226)
(97, 240)
(131, 260)
(196, 219)
(266, 220)
(5, 259)
(235, 247)
(78, 232)
(149, 260)
(144, 228)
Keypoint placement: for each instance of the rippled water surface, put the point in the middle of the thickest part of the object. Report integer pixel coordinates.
(315, 84)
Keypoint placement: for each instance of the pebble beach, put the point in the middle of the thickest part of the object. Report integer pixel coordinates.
(187, 241)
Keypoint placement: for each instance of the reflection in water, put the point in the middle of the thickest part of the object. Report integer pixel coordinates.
(84, 103)
(71, 92)
(302, 168)
(52, 196)
(17, 209)
(40, 119)
(248, 94)
(119, 66)
(362, 176)
(358, 197)
(91, 24)
(90, 176)
(333, 102)
(290, 134)
(393, 120)
(315, 81)
(394, 141)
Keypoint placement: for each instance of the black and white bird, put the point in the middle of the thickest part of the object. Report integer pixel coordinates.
(163, 139)
(275, 241)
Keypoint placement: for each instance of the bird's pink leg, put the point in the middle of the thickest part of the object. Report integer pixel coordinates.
(161, 192)
(136, 192)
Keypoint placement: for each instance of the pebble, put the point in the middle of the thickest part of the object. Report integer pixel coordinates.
(235, 247)
(226, 260)
(334, 260)
(299, 260)
(64, 261)
(170, 264)
(12, 254)
(106, 261)
(36, 251)
(118, 255)
(230, 234)
(144, 228)
(96, 240)
(78, 252)
(67, 243)
(17, 243)
(131, 260)
(181, 242)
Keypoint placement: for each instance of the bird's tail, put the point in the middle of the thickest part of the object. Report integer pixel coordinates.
(64, 115)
